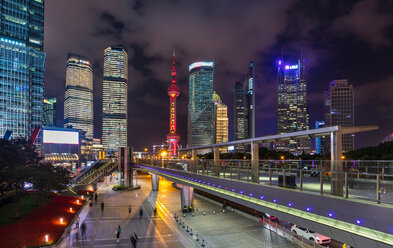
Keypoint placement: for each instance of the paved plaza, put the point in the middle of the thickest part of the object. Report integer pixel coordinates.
(160, 230)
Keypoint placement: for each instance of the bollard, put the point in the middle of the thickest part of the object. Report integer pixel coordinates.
(197, 237)
(184, 225)
(223, 210)
(184, 215)
(192, 214)
(187, 229)
(214, 211)
(233, 210)
(203, 243)
(175, 216)
(179, 221)
(191, 232)
(204, 212)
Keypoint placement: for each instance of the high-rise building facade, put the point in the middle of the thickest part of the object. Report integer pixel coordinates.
(292, 114)
(200, 105)
(114, 107)
(239, 115)
(220, 121)
(22, 66)
(50, 112)
(249, 106)
(339, 109)
(78, 101)
(319, 141)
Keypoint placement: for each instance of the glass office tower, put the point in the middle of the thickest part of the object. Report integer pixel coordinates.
(220, 121)
(292, 114)
(239, 115)
(78, 101)
(339, 110)
(319, 141)
(249, 106)
(114, 119)
(50, 112)
(22, 66)
(200, 105)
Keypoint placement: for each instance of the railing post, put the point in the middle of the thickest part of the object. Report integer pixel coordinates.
(346, 184)
(321, 181)
(255, 162)
(238, 171)
(301, 180)
(284, 180)
(378, 188)
(231, 170)
(270, 176)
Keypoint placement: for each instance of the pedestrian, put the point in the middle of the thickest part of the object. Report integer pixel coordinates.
(133, 241)
(95, 197)
(77, 221)
(129, 209)
(83, 229)
(135, 236)
(155, 211)
(76, 233)
(117, 232)
(102, 206)
(140, 213)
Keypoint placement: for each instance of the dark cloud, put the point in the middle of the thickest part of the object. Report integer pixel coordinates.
(353, 37)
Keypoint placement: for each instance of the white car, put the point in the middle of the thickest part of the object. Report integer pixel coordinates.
(310, 235)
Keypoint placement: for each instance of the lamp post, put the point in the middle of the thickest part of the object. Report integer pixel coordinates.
(163, 154)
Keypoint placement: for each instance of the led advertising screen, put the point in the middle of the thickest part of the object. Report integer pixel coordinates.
(61, 137)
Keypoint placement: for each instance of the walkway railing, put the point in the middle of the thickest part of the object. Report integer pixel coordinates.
(93, 175)
(364, 180)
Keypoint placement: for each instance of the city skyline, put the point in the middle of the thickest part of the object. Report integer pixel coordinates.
(149, 60)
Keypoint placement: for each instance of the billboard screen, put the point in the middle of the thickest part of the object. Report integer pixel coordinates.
(61, 137)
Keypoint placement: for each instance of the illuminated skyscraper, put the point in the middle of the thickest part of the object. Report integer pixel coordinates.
(78, 102)
(22, 66)
(220, 121)
(319, 141)
(200, 105)
(339, 109)
(291, 111)
(114, 120)
(240, 124)
(50, 112)
(173, 91)
(249, 106)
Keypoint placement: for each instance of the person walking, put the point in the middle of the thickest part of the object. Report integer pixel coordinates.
(102, 206)
(83, 230)
(140, 213)
(117, 232)
(95, 197)
(129, 209)
(155, 211)
(77, 221)
(133, 241)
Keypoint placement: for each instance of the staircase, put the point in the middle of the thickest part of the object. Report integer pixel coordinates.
(96, 173)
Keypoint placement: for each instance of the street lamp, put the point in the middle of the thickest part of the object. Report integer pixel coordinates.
(163, 154)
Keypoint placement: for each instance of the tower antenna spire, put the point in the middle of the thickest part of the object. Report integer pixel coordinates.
(172, 137)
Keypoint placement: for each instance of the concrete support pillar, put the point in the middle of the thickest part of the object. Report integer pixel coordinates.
(155, 182)
(216, 153)
(193, 155)
(130, 171)
(255, 162)
(187, 195)
(336, 166)
(123, 168)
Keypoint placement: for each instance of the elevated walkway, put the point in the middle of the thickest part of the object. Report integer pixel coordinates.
(358, 223)
(96, 173)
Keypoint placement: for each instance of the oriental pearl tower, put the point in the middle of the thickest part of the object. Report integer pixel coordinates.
(173, 92)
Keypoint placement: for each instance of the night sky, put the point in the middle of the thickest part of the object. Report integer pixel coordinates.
(338, 39)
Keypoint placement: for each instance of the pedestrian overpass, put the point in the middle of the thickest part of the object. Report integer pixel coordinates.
(355, 221)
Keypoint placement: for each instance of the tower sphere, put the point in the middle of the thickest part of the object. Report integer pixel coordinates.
(173, 90)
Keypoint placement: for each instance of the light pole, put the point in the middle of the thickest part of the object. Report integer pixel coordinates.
(163, 154)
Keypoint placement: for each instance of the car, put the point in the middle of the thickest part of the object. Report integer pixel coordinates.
(310, 235)
(271, 217)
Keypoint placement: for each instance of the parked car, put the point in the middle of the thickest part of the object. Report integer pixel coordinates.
(310, 235)
(271, 217)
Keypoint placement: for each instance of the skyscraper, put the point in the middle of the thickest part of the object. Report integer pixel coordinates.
(220, 121)
(50, 112)
(200, 105)
(249, 107)
(172, 137)
(239, 115)
(114, 119)
(78, 102)
(339, 109)
(292, 114)
(319, 141)
(22, 66)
